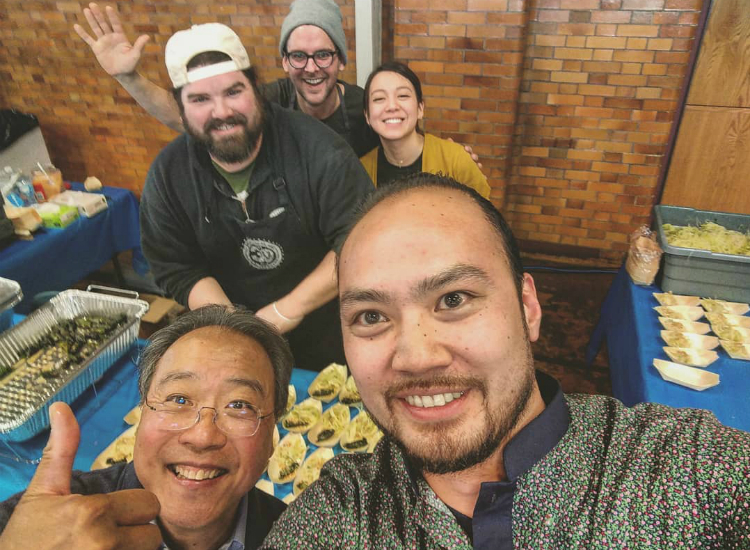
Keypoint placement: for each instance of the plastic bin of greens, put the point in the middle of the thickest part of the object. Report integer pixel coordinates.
(10, 295)
(24, 395)
(701, 272)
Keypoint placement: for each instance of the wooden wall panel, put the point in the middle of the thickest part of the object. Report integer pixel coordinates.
(710, 167)
(722, 74)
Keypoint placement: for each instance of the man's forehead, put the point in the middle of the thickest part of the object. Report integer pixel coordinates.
(202, 352)
(310, 37)
(428, 206)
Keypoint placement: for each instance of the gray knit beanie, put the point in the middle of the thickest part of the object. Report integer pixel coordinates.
(321, 13)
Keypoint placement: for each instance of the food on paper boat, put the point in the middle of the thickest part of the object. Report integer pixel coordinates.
(732, 333)
(729, 319)
(689, 313)
(303, 416)
(682, 325)
(265, 486)
(689, 340)
(327, 384)
(327, 431)
(375, 441)
(275, 441)
(291, 399)
(689, 377)
(736, 350)
(134, 416)
(692, 357)
(310, 469)
(721, 306)
(120, 450)
(287, 458)
(669, 299)
(359, 434)
(349, 393)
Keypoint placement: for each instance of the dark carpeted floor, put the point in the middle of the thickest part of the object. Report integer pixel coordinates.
(570, 309)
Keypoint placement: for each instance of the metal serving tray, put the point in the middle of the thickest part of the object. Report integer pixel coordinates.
(24, 412)
(10, 295)
(699, 272)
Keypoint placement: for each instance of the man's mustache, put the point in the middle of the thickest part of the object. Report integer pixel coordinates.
(216, 123)
(450, 382)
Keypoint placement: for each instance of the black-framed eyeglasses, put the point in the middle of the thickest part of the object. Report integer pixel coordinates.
(236, 421)
(322, 58)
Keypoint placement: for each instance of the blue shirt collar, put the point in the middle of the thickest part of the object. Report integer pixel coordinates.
(541, 435)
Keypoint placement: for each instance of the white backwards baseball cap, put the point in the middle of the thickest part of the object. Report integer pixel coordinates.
(208, 37)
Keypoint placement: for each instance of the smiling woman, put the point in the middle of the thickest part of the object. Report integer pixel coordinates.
(393, 108)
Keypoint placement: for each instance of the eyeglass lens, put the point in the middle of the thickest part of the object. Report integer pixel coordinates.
(322, 58)
(240, 423)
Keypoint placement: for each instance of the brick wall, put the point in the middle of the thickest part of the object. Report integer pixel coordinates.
(600, 87)
(469, 56)
(91, 126)
(568, 102)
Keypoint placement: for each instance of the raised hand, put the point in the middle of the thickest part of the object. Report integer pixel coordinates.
(49, 517)
(111, 46)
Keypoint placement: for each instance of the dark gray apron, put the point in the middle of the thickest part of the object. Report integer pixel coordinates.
(277, 252)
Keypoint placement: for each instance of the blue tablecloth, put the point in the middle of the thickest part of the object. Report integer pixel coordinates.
(631, 328)
(58, 258)
(100, 411)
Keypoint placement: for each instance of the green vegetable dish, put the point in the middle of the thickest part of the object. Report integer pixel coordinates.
(709, 236)
(66, 345)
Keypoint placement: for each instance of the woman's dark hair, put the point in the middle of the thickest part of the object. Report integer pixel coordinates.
(394, 67)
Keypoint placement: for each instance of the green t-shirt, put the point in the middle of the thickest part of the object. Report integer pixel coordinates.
(238, 181)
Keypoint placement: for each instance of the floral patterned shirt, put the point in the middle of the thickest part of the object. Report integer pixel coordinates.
(643, 477)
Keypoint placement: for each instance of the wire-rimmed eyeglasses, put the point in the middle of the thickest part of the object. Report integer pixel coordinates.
(237, 419)
(322, 58)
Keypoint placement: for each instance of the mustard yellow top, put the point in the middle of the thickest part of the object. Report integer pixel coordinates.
(440, 156)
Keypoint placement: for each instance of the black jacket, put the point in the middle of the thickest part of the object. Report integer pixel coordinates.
(192, 225)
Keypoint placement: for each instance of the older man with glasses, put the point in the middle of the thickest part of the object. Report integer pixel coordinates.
(313, 50)
(212, 384)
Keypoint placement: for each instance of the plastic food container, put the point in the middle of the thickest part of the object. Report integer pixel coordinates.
(701, 272)
(24, 412)
(10, 295)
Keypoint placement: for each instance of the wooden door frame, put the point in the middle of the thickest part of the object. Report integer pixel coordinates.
(667, 159)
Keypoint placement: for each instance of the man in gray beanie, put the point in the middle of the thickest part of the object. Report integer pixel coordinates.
(313, 49)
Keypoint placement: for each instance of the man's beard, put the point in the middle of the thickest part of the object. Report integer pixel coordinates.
(230, 149)
(442, 448)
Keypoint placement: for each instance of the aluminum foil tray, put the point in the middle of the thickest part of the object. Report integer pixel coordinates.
(23, 412)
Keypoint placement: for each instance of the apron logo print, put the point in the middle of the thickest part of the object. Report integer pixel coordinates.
(262, 254)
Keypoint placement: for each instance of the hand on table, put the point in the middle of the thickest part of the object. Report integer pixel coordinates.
(49, 517)
(112, 49)
(276, 315)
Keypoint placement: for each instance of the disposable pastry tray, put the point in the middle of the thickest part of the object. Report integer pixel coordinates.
(24, 412)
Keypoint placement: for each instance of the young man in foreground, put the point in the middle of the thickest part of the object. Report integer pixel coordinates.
(481, 450)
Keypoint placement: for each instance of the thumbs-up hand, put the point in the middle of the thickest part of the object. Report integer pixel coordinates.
(49, 517)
